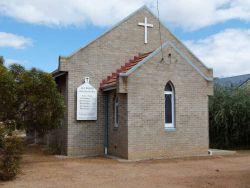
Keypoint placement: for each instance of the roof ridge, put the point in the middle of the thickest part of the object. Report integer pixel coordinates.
(109, 30)
(234, 76)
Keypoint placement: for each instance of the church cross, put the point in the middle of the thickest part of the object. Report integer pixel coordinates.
(145, 25)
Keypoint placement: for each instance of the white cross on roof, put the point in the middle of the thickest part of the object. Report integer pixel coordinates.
(145, 25)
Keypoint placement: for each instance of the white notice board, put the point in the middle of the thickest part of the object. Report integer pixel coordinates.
(86, 101)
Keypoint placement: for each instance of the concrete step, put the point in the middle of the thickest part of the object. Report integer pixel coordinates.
(220, 152)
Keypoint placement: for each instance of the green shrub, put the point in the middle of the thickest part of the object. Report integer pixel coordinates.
(13, 148)
(229, 118)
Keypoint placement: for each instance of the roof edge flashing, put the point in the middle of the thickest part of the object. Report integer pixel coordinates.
(165, 45)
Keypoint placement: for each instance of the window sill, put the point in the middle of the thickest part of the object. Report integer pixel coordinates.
(170, 129)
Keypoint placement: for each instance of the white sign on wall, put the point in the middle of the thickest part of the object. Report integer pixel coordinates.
(86, 101)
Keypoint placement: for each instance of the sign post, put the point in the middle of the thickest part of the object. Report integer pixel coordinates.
(86, 101)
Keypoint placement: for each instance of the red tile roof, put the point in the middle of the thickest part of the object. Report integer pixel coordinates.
(111, 80)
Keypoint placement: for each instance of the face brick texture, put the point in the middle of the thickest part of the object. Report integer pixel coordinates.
(141, 133)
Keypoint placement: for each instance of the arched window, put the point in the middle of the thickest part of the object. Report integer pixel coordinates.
(116, 111)
(169, 106)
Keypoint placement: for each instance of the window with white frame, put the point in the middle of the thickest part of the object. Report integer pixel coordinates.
(116, 110)
(169, 106)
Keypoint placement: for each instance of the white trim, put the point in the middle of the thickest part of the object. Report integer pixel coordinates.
(168, 92)
(169, 125)
(165, 45)
(170, 128)
(106, 150)
(172, 93)
(173, 109)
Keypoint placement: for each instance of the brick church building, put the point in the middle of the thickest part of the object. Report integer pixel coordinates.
(152, 99)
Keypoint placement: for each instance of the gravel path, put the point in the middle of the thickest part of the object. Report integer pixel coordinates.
(44, 171)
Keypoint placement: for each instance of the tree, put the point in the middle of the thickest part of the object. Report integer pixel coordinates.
(43, 106)
(7, 94)
(16, 70)
(29, 98)
(1, 60)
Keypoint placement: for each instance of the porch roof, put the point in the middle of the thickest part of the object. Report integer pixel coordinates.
(111, 80)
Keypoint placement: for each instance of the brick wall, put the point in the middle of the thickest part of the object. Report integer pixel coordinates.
(118, 136)
(97, 60)
(147, 137)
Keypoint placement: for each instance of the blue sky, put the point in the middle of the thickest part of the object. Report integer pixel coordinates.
(47, 42)
(35, 33)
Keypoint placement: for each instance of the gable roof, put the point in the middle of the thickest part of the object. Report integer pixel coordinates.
(110, 29)
(165, 45)
(132, 65)
(111, 80)
(125, 19)
(233, 81)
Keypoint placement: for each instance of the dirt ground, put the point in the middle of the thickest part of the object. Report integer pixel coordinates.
(45, 171)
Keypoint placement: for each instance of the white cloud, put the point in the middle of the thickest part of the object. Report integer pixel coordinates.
(73, 12)
(14, 41)
(227, 52)
(9, 62)
(196, 14)
(188, 14)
